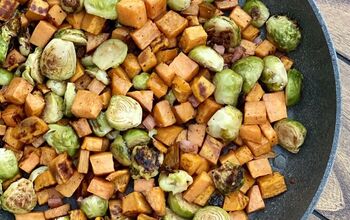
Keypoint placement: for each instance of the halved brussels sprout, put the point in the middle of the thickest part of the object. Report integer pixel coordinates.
(58, 87)
(5, 77)
(207, 57)
(283, 32)
(175, 182)
(212, 213)
(35, 173)
(105, 9)
(225, 123)
(100, 75)
(19, 197)
(87, 61)
(145, 162)
(53, 111)
(94, 206)
(274, 75)
(8, 164)
(100, 125)
(69, 97)
(73, 35)
(134, 137)
(123, 113)
(58, 60)
(227, 178)
(294, 87)
(23, 41)
(63, 139)
(228, 86)
(170, 215)
(258, 11)
(7, 31)
(112, 135)
(250, 68)
(140, 81)
(178, 5)
(120, 151)
(71, 6)
(181, 207)
(110, 53)
(31, 68)
(291, 134)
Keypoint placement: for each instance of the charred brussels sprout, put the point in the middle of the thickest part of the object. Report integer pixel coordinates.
(94, 206)
(175, 182)
(216, 199)
(100, 125)
(120, 151)
(71, 6)
(258, 11)
(140, 81)
(274, 75)
(105, 9)
(178, 5)
(8, 164)
(19, 197)
(207, 58)
(223, 31)
(225, 123)
(212, 213)
(23, 41)
(5, 77)
(227, 178)
(250, 68)
(69, 97)
(31, 68)
(294, 87)
(73, 35)
(62, 139)
(7, 31)
(283, 32)
(35, 173)
(291, 134)
(134, 137)
(58, 87)
(181, 207)
(54, 107)
(58, 60)
(228, 86)
(145, 162)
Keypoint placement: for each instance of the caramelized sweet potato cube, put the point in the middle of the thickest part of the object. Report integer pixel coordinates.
(202, 88)
(196, 134)
(37, 10)
(250, 33)
(207, 109)
(272, 185)
(240, 17)
(132, 13)
(92, 24)
(83, 161)
(181, 89)
(275, 106)
(160, 146)
(134, 203)
(192, 20)
(61, 168)
(8, 9)
(2, 130)
(265, 48)
(79, 72)
(184, 112)
(11, 140)
(163, 115)
(12, 115)
(211, 149)
(249, 47)
(226, 4)
(120, 86)
(121, 33)
(156, 199)
(229, 157)
(102, 163)
(143, 185)
(17, 91)
(46, 194)
(77, 214)
(288, 62)
(120, 72)
(106, 97)
(30, 216)
(260, 167)
(34, 105)
(42, 33)
(200, 183)
(81, 127)
(82, 100)
(120, 179)
(76, 19)
(165, 73)
(131, 65)
(184, 67)
(244, 154)
(56, 15)
(254, 113)
(238, 215)
(145, 217)
(172, 24)
(255, 94)
(95, 144)
(47, 155)
(249, 181)
(192, 37)
(190, 162)
(250, 133)
(147, 59)
(261, 148)
(57, 212)
(13, 58)
(145, 98)
(155, 8)
(30, 162)
(168, 135)
(44, 180)
(269, 133)
(144, 36)
(101, 188)
(166, 56)
(203, 198)
(67, 189)
(256, 202)
(157, 85)
(96, 86)
(235, 201)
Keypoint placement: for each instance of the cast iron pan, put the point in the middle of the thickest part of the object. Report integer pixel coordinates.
(306, 173)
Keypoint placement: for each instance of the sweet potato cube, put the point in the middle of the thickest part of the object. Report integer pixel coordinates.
(238, 215)
(166, 56)
(145, 98)
(229, 157)
(81, 127)
(121, 33)
(184, 67)
(56, 15)
(46, 194)
(120, 179)
(235, 201)
(61, 168)
(157, 85)
(172, 24)
(29, 163)
(96, 86)
(265, 48)
(131, 65)
(250, 33)
(143, 185)
(272, 185)
(261, 148)
(75, 19)
(44, 180)
(79, 72)
(102, 163)
(275, 106)
(184, 112)
(192, 20)
(168, 135)
(211, 149)
(101, 188)
(156, 199)
(47, 155)
(37, 10)
(82, 100)
(83, 161)
(256, 202)
(12, 115)
(120, 72)
(226, 4)
(254, 113)
(244, 154)
(255, 94)
(203, 198)
(160, 146)
(240, 17)
(190, 162)
(147, 59)
(30, 216)
(192, 37)
(11, 140)
(2, 130)
(57, 212)
(250, 133)
(134, 203)
(144, 36)
(106, 97)
(249, 181)
(132, 13)
(34, 105)
(42, 33)
(196, 134)
(77, 214)
(287, 62)
(18, 90)
(181, 89)
(200, 183)
(260, 167)
(163, 115)
(269, 133)
(92, 24)
(202, 88)
(165, 73)
(249, 47)
(206, 110)
(14, 57)
(155, 8)
(95, 144)
(67, 189)
(8, 9)
(120, 86)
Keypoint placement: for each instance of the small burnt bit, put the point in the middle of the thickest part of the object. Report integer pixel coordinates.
(216, 199)
(255, 13)
(147, 158)
(221, 38)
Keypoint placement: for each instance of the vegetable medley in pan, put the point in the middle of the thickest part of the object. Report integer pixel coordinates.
(144, 109)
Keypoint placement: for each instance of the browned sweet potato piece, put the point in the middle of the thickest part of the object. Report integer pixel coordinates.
(30, 216)
(156, 199)
(29, 163)
(238, 215)
(102, 163)
(101, 188)
(132, 13)
(83, 161)
(275, 106)
(160, 146)
(265, 48)
(250, 33)
(8, 9)
(172, 24)
(61, 168)
(95, 144)
(255, 94)
(120, 179)
(288, 62)
(134, 203)
(165, 73)
(34, 105)
(81, 127)
(67, 189)
(226, 4)
(229, 157)
(92, 24)
(244, 154)
(163, 115)
(200, 183)
(254, 113)
(192, 37)
(235, 201)
(190, 162)
(120, 86)
(202, 88)
(46, 194)
(82, 100)
(42, 33)
(196, 134)
(13, 58)
(249, 181)
(168, 135)
(181, 89)
(12, 115)
(93, 41)
(77, 214)
(44, 180)
(256, 202)
(271, 185)
(29, 129)
(240, 17)
(17, 91)
(37, 10)
(145, 98)
(121, 33)
(155, 8)
(184, 112)
(184, 67)
(261, 148)
(56, 15)
(157, 85)
(260, 167)
(250, 133)
(166, 56)
(203, 198)
(57, 212)
(144, 36)
(206, 110)
(131, 65)
(75, 19)
(147, 59)
(269, 133)
(143, 185)
(211, 149)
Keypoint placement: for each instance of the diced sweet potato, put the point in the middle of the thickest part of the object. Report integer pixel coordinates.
(121, 33)
(145, 98)
(192, 20)
(30, 216)
(275, 106)
(120, 72)
(143, 185)
(261, 148)
(76, 19)
(184, 67)
(92, 24)
(83, 82)
(95, 144)
(269, 133)
(254, 113)
(184, 112)
(196, 134)
(131, 65)
(81, 127)
(132, 13)
(166, 56)
(120, 179)
(168, 135)
(61, 168)
(42, 33)
(11, 140)
(250, 133)
(56, 15)
(211, 149)
(102, 163)
(37, 10)
(93, 41)
(46, 194)
(2, 130)
(204, 166)
(77, 214)
(165, 73)
(29, 163)
(249, 47)
(190, 162)
(101, 188)
(226, 4)
(79, 72)
(144, 36)
(147, 59)
(17, 91)
(82, 100)
(240, 17)
(238, 215)
(200, 183)
(255, 94)
(67, 189)
(115, 208)
(96, 86)
(235, 201)
(181, 89)
(271, 185)
(8, 9)
(12, 115)
(248, 182)
(256, 202)
(202, 88)
(229, 157)
(13, 59)
(203, 198)
(120, 86)
(157, 85)
(182, 136)
(206, 110)
(192, 37)
(155, 8)
(288, 62)
(206, 11)
(34, 105)
(145, 217)
(57, 212)
(172, 24)
(44, 180)
(265, 48)
(160, 146)
(47, 155)
(250, 33)
(83, 161)
(193, 9)
(106, 97)
(163, 115)
(134, 203)
(244, 154)
(260, 167)
(156, 199)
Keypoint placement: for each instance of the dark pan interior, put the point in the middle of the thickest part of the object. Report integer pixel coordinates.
(317, 111)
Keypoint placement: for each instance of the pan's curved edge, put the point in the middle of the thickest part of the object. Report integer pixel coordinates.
(338, 122)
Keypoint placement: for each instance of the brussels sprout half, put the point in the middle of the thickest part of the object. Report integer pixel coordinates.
(211, 212)
(100, 125)
(105, 9)
(175, 182)
(7, 31)
(181, 207)
(134, 137)
(5, 77)
(258, 11)
(120, 151)
(207, 57)
(294, 87)
(178, 5)
(58, 87)
(227, 178)
(73, 35)
(274, 75)
(228, 86)
(8, 164)
(140, 81)
(69, 97)
(71, 6)
(31, 68)
(94, 206)
(53, 111)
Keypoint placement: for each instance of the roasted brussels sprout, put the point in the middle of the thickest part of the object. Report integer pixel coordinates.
(291, 134)
(120, 151)
(283, 32)
(181, 207)
(294, 87)
(170, 215)
(140, 81)
(35, 173)
(216, 199)
(19, 197)
(178, 5)
(23, 41)
(112, 135)
(274, 75)
(123, 113)
(170, 97)
(225, 123)
(5, 77)
(223, 31)
(250, 68)
(110, 53)
(228, 86)
(100, 125)
(8, 164)
(54, 107)
(227, 178)
(212, 213)
(207, 57)
(63, 139)
(57, 87)
(73, 35)
(69, 97)
(100, 75)
(7, 31)
(87, 61)
(94, 206)
(145, 162)
(258, 11)
(175, 182)
(58, 60)
(134, 137)
(31, 68)
(105, 9)
(71, 6)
